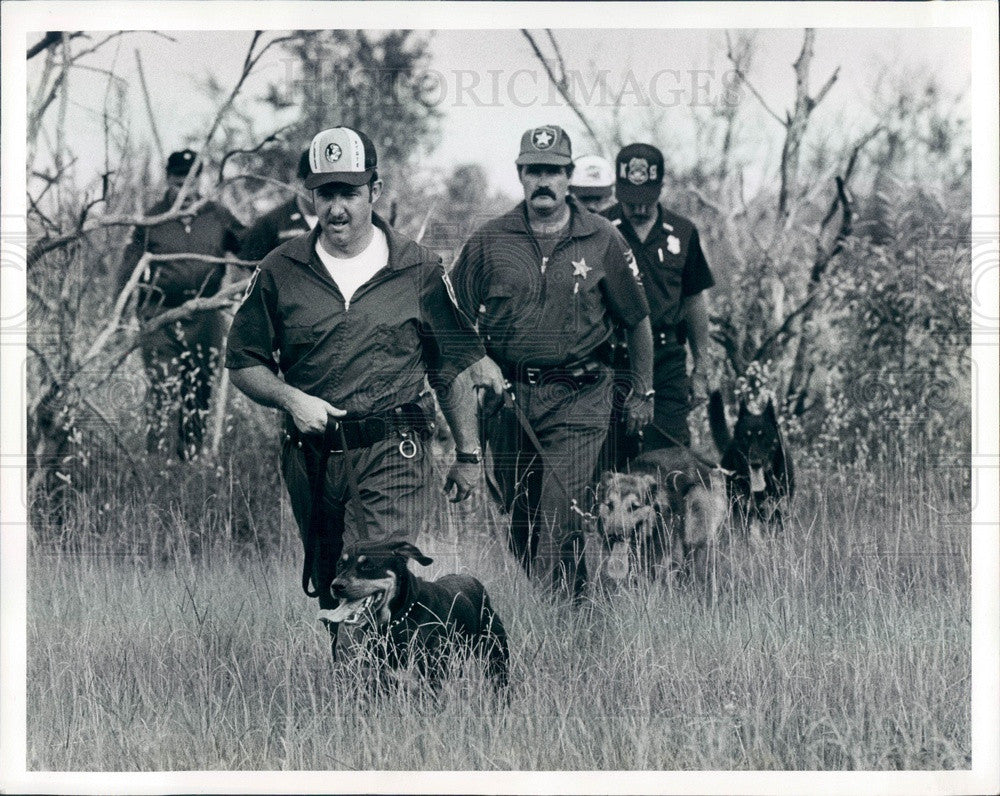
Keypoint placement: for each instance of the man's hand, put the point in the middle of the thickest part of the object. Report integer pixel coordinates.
(311, 414)
(464, 478)
(639, 413)
(486, 373)
(699, 386)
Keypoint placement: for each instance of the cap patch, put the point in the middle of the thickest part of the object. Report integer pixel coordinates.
(639, 171)
(333, 152)
(543, 138)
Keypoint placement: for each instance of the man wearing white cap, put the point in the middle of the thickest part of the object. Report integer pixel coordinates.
(360, 314)
(593, 182)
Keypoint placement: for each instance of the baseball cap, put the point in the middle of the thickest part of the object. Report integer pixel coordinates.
(592, 176)
(547, 145)
(179, 163)
(340, 154)
(639, 174)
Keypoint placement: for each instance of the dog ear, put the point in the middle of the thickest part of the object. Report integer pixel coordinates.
(408, 550)
(769, 411)
(652, 485)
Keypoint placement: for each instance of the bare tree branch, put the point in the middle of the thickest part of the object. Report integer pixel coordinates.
(233, 152)
(731, 55)
(149, 108)
(562, 86)
(50, 39)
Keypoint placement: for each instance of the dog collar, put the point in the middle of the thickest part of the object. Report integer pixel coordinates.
(402, 617)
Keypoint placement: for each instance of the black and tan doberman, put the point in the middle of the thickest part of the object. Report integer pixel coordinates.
(420, 621)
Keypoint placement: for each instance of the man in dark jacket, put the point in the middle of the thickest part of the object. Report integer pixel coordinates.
(675, 276)
(181, 358)
(360, 315)
(286, 221)
(547, 282)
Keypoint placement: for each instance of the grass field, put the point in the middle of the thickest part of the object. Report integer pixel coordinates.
(843, 644)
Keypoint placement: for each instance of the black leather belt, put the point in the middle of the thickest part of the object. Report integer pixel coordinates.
(404, 421)
(578, 374)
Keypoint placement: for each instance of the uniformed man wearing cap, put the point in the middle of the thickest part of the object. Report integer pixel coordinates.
(286, 221)
(593, 182)
(180, 359)
(359, 315)
(546, 282)
(675, 275)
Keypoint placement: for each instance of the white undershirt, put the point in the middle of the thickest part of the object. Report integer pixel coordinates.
(352, 272)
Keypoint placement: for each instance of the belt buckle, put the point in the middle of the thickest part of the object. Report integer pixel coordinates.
(532, 375)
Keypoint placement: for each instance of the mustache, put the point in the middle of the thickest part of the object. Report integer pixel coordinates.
(543, 192)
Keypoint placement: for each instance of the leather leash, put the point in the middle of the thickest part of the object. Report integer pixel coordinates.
(316, 463)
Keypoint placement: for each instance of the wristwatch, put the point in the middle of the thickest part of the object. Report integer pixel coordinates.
(472, 457)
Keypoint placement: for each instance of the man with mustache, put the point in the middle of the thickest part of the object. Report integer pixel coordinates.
(675, 275)
(546, 282)
(359, 315)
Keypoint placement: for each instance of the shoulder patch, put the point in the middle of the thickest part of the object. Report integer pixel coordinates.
(450, 288)
(633, 266)
(250, 285)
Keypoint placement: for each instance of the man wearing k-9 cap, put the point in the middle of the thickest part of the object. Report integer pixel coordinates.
(546, 282)
(359, 315)
(675, 275)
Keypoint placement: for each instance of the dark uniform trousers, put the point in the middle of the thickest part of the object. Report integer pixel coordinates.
(571, 423)
(181, 360)
(394, 500)
(672, 401)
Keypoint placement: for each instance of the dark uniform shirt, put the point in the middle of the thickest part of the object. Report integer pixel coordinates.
(213, 231)
(548, 308)
(671, 263)
(368, 358)
(278, 225)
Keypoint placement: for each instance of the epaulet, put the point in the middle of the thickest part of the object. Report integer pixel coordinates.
(617, 222)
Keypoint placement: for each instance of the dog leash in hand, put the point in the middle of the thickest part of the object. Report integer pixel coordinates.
(316, 464)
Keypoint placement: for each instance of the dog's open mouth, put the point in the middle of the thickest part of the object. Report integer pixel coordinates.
(350, 612)
(756, 479)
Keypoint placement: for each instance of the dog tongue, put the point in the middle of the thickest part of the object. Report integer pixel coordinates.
(756, 479)
(343, 611)
(616, 566)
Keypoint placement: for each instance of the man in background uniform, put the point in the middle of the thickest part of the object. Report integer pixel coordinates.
(593, 182)
(360, 314)
(546, 282)
(284, 222)
(675, 275)
(180, 359)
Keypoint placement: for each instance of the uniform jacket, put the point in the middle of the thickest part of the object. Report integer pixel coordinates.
(670, 261)
(279, 224)
(547, 311)
(401, 324)
(213, 231)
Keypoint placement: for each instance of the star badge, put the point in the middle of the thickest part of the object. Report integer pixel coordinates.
(673, 244)
(542, 138)
(580, 268)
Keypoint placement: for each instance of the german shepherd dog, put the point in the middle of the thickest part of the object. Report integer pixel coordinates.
(762, 479)
(419, 621)
(662, 516)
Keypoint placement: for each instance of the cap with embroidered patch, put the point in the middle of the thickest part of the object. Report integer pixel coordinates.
(340, 154)
(179, 163)
(592, 176)
(639, 174)
(546, 145)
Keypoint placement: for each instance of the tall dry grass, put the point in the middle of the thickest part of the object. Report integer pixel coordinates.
(843, 644)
